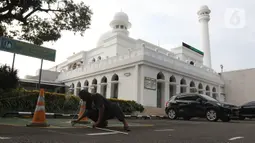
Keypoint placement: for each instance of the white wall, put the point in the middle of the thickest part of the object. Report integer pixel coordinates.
(239, 86)
(187, 54)
(124, 44)
(150, 96)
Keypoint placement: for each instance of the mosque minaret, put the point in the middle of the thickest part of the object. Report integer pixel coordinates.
(204, 18)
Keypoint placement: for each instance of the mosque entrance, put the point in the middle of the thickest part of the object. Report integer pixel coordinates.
(160, 89)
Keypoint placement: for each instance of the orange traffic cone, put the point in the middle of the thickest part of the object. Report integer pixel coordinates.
(84, 120)
(39, 118)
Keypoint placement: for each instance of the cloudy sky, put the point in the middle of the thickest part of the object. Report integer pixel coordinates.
(168, 21)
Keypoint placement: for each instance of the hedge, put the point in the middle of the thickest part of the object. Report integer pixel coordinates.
(25, 101)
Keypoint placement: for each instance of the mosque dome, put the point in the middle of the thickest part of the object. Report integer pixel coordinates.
(204, 7)
(120, 18)
(119, 24)
(103, 37)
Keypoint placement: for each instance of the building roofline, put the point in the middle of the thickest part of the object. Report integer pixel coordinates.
(42, 82)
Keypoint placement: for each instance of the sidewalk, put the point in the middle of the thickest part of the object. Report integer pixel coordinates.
(62, 123)
(153, 111)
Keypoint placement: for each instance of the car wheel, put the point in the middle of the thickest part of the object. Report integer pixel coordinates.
(211, 115)
(172, 114)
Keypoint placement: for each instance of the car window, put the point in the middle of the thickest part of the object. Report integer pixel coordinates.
(252, 103)
(180, 97)
(188, 97)
(172, 98)
(206, 97)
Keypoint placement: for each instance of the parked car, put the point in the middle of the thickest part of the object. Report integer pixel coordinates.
(247, 110)
(197, 105)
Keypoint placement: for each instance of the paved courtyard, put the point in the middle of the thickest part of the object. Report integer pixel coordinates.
(142, 131)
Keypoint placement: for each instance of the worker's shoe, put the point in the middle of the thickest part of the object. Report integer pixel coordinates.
(126, 128)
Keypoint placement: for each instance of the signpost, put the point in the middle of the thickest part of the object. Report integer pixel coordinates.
(27, 49)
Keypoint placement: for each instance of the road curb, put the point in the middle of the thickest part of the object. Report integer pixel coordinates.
(62, 115)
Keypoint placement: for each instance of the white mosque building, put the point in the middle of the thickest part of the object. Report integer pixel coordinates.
(133, 69)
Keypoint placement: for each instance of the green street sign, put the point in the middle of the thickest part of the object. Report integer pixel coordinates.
(27, 49)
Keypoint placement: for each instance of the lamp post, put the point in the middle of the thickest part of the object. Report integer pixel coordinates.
(221, 66)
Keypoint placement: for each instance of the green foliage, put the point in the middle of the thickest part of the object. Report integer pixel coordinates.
(8, 78)
(128, 106)
(23, 100)
(40, 21)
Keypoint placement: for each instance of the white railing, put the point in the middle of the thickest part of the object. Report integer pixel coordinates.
(100, 65)
(180, 65)
(115, 61)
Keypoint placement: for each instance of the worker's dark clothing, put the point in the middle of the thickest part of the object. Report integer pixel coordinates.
(111, 111)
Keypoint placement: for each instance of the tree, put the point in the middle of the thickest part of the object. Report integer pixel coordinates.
(8, 78)
(39, 21)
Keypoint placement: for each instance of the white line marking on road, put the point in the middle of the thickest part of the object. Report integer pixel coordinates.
(104, 133)
(4, 138)
(103, 129)
(30, 113)
(235, 138)
(164, 130)
(64, 133)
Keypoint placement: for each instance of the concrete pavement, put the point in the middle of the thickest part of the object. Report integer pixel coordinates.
(142, 131)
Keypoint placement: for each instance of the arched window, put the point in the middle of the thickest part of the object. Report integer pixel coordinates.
(104, 86)
(94, 86)
(192, 87)
(86, 85)
(93, 60)
(99, 58)
(183, 85)
(207, 88)
(200, 88)
(115, 86)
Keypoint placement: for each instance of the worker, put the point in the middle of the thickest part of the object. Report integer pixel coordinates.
(99, 109)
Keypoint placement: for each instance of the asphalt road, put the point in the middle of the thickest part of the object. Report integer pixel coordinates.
(153, 131)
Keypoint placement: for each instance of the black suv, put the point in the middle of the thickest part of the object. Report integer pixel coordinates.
(197, 105)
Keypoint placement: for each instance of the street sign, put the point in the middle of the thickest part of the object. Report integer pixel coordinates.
(27, 49)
